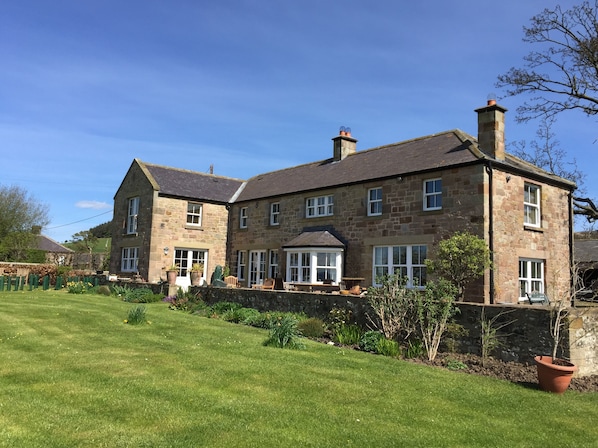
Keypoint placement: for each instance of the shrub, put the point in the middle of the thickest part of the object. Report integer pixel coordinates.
(388, 347)
(347, 334)
(369, 339)
(454, 333)
(104, 290)
(220, 307)
(453, 364)
(136, 315)
(394, 307)
(120, 291)
(138, 295)
(415, 349)
(285, 334)
(312, 327)
(435, 306)
(339, 317)
(240, 315)
(79, 287)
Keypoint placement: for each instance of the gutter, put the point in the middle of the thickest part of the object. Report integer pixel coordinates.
(491, 226)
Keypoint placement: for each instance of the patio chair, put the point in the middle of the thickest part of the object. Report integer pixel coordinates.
(231, 281)
(268, 284)
(537, 298)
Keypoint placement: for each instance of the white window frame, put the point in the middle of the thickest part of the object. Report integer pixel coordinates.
(275, 214)
(129, 261)
(433, 194)
(405, 260)
(531, 277)
(257, 267)
(185, 258)
(531, 207)
(241, 265)
(273, 264)
(132, 214)
(194, 214)
(243, 218)
(375, 201)
(319, 206)
(303, 265)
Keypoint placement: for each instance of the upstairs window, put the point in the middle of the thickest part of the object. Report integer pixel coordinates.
(531, 205)
(132, 212)
(319, 206)
(243, 218)
(194, 212)
(374, 201)
(275, 214)
(433, 194)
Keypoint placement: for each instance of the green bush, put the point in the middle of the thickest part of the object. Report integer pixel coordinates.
(240, 315)
(312, 327)
(369, 340)
(220, 308)
(79, 287)
(388, 347)
(104, 290)
(285, 334)
(415, 349)
(139, 295)
(136, 315)
(347, 334)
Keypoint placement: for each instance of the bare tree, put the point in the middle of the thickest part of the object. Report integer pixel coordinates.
(564, 74)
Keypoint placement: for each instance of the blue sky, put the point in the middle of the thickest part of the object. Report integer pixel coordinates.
(247, 86)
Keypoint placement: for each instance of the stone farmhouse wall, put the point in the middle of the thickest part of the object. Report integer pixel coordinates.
(162, 223)
(404, 222)
(513, 240)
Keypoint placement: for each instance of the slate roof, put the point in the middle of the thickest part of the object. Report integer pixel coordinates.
(49, 245)
(321, 238)
(586, 251)
(192, 184)
(429, 153)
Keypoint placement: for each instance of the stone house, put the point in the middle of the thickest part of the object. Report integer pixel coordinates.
(165, 216)
(356, 215)
(360, 214)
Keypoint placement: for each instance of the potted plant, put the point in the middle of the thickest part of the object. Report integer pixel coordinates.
(554, 374)
(195, 273)
(171, 274)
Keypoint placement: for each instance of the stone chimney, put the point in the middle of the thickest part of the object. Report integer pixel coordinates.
(491, 130)
(344, 144)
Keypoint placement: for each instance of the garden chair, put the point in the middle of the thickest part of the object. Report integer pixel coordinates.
(231, 281)
(537, 298)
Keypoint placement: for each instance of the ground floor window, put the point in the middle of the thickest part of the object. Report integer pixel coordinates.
(531, 277)
(241, 265)
(406, 261)
(129, 259)
(314, 266)
(273, 264)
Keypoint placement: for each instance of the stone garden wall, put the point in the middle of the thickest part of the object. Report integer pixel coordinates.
(527, 336)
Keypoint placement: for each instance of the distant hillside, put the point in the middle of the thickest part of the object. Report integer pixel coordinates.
(102, 245)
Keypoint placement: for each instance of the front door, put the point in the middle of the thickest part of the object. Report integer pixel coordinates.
(257, 267)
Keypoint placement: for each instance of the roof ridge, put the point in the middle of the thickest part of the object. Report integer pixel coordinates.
(172, 168)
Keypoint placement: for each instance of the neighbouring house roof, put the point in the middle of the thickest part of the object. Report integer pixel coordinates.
(586, 251)
(321, 238)
(429, 153)
(191, 184)
(49, 245)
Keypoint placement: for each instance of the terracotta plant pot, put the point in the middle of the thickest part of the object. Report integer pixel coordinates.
(171, 276)
(554, 377)
(195, 278)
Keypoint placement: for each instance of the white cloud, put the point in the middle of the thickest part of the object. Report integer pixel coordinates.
(93, 204)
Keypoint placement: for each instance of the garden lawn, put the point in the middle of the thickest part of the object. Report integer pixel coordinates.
(72, 373)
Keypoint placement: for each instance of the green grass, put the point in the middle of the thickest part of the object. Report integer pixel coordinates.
(73, 374)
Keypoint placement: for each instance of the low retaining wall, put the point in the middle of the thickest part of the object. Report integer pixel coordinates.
(526, 337)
